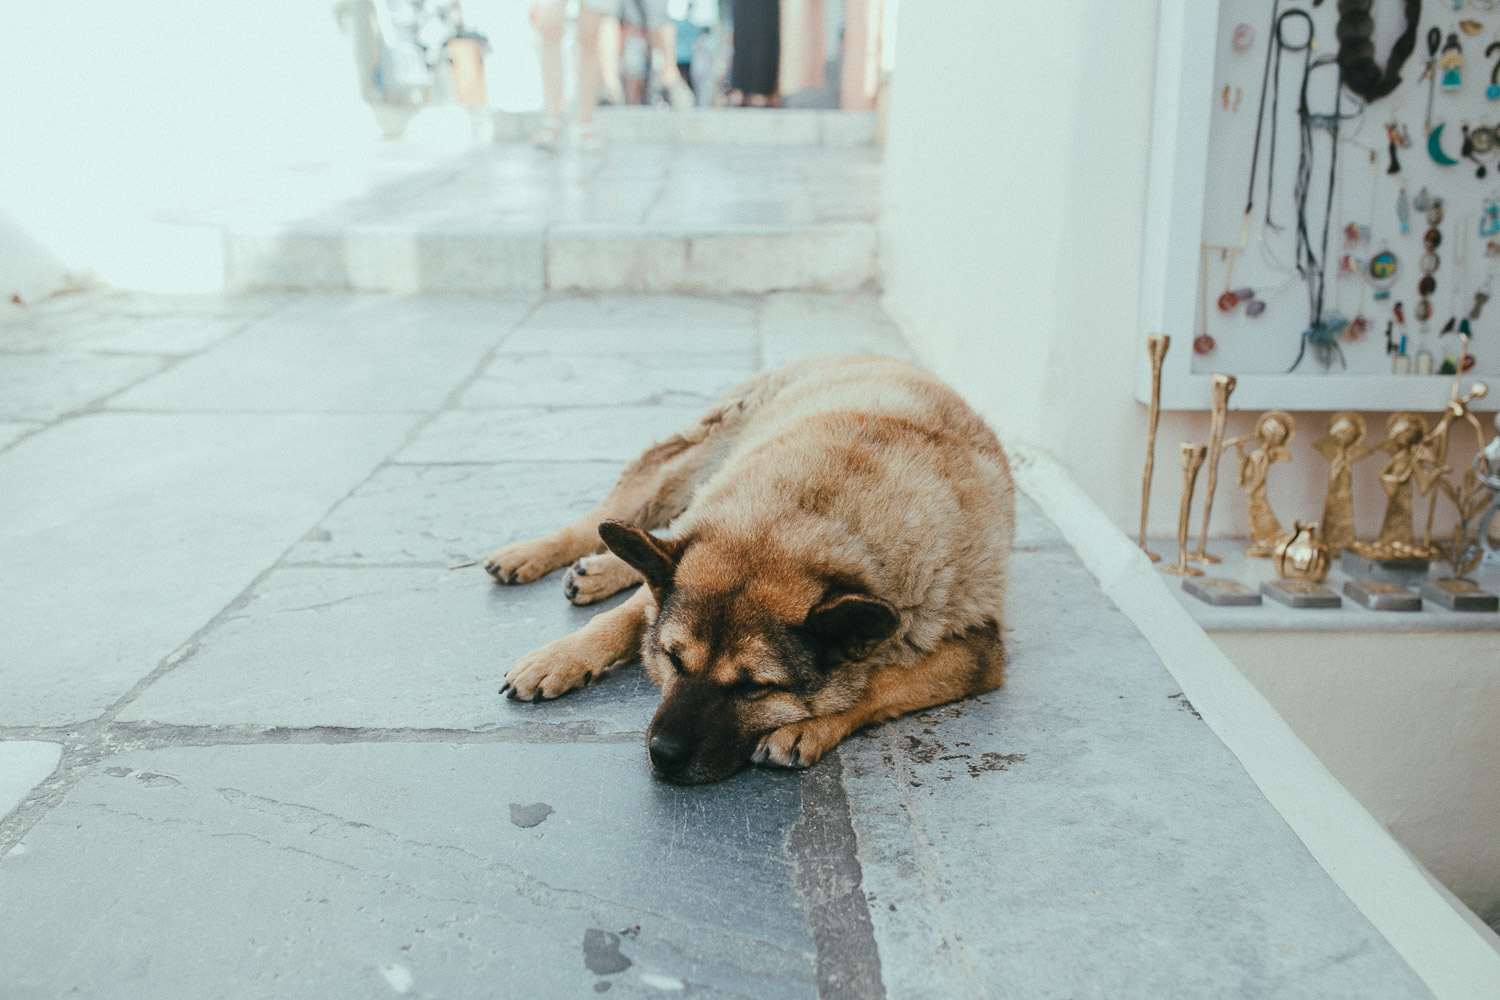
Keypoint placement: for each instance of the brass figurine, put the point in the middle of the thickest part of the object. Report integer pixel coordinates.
(1301, 556)
(1223, 385)
(1192, 460)
(1273, 432)
(1434, 456)
(1156, 348)
(1343, 446)
(1405, 433)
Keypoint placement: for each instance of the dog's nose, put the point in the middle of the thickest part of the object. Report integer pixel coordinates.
(668, 753)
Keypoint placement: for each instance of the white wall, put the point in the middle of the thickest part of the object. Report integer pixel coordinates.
(1016, 157)
(1406, 722)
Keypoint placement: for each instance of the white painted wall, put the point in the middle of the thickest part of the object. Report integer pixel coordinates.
(1015, 192)
(1406, 721)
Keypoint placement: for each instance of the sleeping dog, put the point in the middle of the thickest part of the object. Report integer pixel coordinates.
(832, 553)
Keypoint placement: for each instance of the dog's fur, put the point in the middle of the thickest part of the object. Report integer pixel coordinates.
(837, 534)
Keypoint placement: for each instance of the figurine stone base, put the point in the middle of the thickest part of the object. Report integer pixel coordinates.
(1460, 595)
(1410, 571)
(1380, 596)
(1301, 594)
(1220, 592)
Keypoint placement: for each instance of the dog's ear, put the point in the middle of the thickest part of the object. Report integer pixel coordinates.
(655, 558)
(851, 625)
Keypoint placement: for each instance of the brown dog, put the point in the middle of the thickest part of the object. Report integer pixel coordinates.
(838, 533)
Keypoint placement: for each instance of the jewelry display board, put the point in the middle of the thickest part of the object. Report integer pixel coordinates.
(1322, 223)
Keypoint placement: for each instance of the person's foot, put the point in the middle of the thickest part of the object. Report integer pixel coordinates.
(680, 95)
(588, 139)
(549, 135)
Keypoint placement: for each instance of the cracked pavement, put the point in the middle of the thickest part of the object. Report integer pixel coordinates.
(250, 744)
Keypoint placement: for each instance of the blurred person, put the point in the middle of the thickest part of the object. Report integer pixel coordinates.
(613, 90)
(548, 16)
(697, 48)
(648, 27)
(757, 52)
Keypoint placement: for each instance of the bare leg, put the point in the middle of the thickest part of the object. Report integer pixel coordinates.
(575, 660)
(964, 665)
(593, 578)
(547, 15)
(665, 38)
(609, 59)
(588, 64)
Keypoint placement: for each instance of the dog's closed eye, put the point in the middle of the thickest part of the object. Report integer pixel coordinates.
(676, 660)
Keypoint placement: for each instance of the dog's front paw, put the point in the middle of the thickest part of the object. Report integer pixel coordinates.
(593, 578)
(552, 671)
(522, 562)
(799, 744)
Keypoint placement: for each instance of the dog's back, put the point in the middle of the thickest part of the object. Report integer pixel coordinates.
(874, 470)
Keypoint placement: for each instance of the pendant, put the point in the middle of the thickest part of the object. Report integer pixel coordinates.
(1435, 148)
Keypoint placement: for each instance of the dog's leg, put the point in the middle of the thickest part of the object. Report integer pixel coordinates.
(652, 490)
(593, 578)
(575, 660)
(964, 665)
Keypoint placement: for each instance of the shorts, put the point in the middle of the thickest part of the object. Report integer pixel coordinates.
(645, 14)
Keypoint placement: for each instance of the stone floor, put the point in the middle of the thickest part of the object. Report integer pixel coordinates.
(250, 742)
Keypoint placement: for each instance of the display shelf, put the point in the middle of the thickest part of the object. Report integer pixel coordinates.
(1350, 617)
(1201, 152)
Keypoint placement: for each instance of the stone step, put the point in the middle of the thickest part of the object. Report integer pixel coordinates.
(833, 257)
(713, 126)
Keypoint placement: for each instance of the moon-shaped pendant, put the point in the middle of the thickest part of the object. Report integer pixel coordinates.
(1435, 147)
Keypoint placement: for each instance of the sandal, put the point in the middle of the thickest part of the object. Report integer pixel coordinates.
(549, 135)
(588, 139)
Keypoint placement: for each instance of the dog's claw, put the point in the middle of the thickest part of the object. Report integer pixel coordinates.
(579, 569)
(506, 687)
(588, 678)
(537, 697)
(796, 760)
(511, 694)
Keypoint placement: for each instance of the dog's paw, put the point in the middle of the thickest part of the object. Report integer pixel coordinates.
(552, 671)
(522, 562)
(799, 744)
(593, 578)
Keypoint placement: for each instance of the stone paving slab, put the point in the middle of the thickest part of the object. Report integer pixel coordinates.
(640, 314)
(391, 648)
(444, 871)
(42, 387)
(10, 430)
(1086, 793)
(339, 353)
(126, 533)
(23, 765)
(795, 324)
(604, 380)
(117, 333)
(734, 343)
(446, 514)
(606, 433)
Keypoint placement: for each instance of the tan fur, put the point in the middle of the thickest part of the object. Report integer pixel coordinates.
(840, 494)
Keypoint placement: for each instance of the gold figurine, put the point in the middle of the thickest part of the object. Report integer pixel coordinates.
(1273, 432)
(1192, 460)
(1343, 446)
(1434, 455)
(1301, 556)
(1223, 385)
(1405, 434)
(1156, 348)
